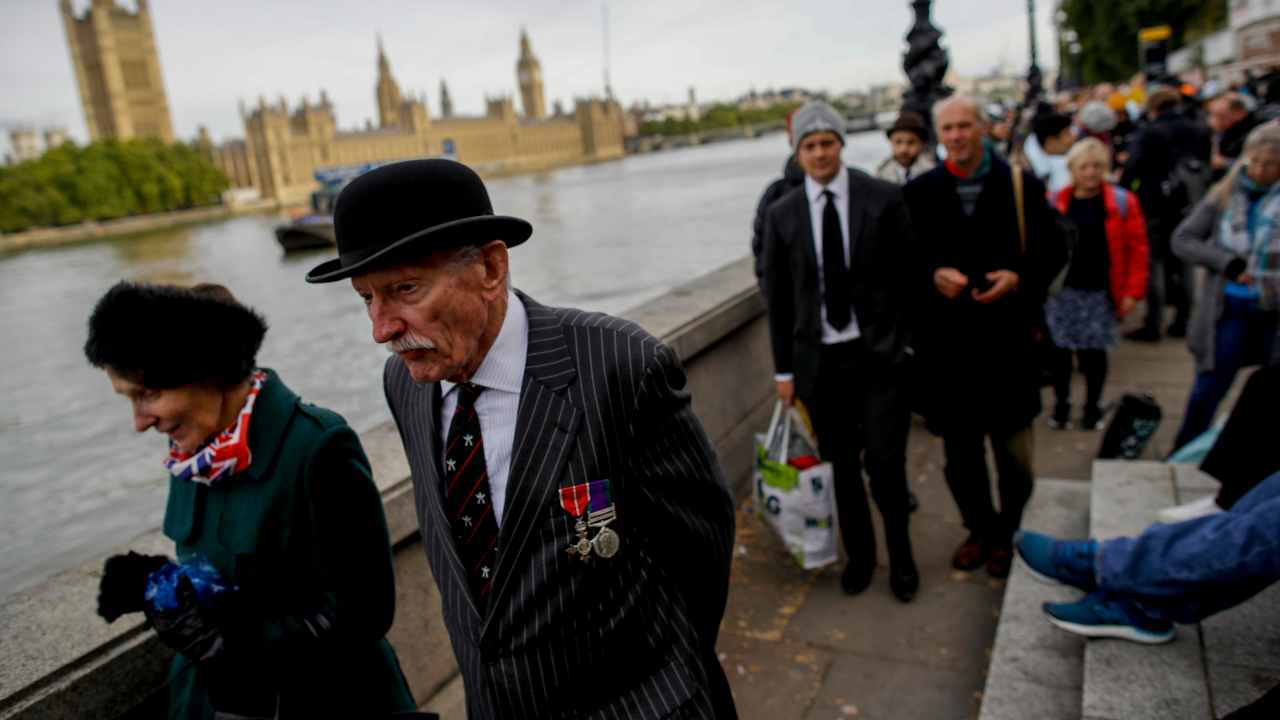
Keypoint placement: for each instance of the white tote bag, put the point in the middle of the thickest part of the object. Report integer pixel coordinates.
(794, 495)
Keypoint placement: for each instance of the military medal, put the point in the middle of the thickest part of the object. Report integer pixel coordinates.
(574, 500)
(602, 512)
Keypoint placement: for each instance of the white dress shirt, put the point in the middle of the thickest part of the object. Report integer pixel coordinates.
(501, 374)
(839, 186)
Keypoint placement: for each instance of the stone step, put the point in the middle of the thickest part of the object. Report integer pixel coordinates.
(1241, 645)
(1124, 680)
(1037, 670)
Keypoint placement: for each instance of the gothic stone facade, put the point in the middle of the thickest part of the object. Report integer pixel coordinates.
(282, 147)
(117, 71)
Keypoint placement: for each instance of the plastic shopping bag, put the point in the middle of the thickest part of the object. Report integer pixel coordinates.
(794, 489)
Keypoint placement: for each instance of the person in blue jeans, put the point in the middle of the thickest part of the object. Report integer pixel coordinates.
(1179, 573)
(1234, 233)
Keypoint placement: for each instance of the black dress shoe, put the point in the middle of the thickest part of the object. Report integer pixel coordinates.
(904, 580)
(1143, 335)
(855, 578)
(1177, 330)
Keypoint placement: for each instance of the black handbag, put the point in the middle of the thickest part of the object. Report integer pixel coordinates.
(1136, 419)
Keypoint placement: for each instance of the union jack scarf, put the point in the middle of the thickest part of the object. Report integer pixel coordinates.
(226, 455)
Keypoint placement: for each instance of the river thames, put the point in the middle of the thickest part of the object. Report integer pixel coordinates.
(77, 480)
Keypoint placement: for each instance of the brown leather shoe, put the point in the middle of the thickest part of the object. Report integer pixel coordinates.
(970, 555)
(1000, 561)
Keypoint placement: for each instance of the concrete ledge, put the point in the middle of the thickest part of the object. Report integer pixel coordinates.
(59, 660)
(1037, 671)
(1123, 680)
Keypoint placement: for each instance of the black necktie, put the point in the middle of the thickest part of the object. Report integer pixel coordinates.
(835, 274)
(468, 501)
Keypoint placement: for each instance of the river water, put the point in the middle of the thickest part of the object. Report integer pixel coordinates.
(76, 480)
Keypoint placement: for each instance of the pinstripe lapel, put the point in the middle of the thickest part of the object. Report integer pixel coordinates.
(425, 405)
(546, 426)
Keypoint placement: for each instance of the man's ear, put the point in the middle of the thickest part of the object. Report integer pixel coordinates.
(495, 266)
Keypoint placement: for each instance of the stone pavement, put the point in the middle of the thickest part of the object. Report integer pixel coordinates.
(794, 646)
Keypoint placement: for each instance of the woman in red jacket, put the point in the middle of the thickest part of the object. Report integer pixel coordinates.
(1107, 277)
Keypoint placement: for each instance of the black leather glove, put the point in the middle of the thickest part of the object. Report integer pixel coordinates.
(190, 630)
(124, 581)
(1235, 268)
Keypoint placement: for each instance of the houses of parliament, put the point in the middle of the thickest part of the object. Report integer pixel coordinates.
(117, 69)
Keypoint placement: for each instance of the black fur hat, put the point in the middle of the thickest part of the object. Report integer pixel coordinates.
(166, 336)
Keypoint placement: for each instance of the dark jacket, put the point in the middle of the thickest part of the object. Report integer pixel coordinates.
(978, 362)
(1153, 151)
(629, 636)
(1231, 142)
(792, 176)
(302, 533)
(880, 247)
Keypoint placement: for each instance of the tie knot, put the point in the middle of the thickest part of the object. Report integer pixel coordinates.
(468, 392)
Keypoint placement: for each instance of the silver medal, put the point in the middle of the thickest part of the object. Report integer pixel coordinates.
(606, 542)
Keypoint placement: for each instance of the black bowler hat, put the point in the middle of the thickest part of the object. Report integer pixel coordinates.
(415, 206)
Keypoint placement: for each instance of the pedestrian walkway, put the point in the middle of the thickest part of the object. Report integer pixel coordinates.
(794, 646)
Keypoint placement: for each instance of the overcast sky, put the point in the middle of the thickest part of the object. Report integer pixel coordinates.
(214, 53)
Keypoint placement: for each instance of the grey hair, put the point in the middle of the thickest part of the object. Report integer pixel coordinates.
(1088, 149)
(1264, 138)
(468, 254)
(967, 101)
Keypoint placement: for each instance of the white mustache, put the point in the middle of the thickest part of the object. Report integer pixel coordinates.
(409, 341)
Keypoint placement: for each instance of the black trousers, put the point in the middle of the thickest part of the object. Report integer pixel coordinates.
(861, 416)
(1246, 453)
(1093, 365)
(1168, 279)
(966, 473)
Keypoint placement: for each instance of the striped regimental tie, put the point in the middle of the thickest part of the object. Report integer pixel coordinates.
(467, 497)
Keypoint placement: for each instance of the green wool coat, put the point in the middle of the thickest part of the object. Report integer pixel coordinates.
(302, 533)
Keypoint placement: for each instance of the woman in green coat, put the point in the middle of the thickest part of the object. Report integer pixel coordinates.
(275, 494)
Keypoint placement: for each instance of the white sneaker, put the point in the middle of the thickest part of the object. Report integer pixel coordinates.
(1206, 505)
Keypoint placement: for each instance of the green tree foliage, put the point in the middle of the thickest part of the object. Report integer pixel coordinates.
(1107, 30)
(721, 115)
(106, 180)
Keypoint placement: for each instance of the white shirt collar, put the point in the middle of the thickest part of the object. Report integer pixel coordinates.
(839, 185)
(503, 366)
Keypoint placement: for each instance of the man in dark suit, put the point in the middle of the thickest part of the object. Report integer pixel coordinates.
(571, 507)
(835, 273)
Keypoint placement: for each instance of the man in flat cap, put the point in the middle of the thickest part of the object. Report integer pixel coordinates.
(571, 507)
(837, 281)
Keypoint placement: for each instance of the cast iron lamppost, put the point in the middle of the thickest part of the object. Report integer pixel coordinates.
(925, 63)
(1034, 80)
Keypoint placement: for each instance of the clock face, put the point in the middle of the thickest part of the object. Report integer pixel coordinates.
(524, 76)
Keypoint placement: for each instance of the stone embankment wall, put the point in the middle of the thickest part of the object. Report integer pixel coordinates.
(52, 237)
(59, 660)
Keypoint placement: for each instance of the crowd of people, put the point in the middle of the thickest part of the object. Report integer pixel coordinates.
(962, 274)
(570, 505)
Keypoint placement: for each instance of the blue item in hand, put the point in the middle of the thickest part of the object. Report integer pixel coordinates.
(207, 583)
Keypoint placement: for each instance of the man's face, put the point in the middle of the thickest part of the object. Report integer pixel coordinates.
(437, 314)
(1059, 144)
(819, 156)
(1222, 116)
(961, 134)
(906, 147)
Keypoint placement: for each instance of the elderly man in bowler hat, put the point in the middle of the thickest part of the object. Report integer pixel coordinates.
(571, 507)
(910, 156)
(837, 282)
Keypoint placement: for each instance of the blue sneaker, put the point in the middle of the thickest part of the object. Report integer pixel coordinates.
(1069, 562)
(1100, 615)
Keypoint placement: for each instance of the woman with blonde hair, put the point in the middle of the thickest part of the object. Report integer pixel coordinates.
(1107, 277)
(1234, 233)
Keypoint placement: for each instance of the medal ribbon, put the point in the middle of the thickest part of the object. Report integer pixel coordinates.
(598, 491)
(574, 499)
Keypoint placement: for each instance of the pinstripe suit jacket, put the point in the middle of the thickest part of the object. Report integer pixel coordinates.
(628, 637)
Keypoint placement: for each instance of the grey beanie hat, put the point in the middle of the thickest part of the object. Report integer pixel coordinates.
(1097, 117)
(815, 116)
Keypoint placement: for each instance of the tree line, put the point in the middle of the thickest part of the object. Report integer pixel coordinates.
(720, 115)
(1107, 31)
(104, 180)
